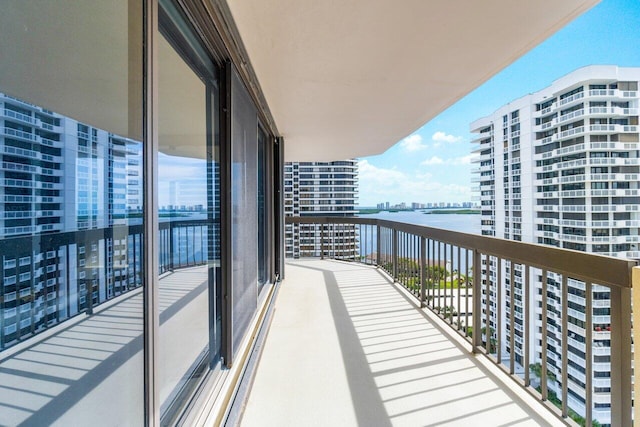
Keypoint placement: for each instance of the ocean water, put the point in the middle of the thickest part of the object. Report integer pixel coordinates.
(454, 222)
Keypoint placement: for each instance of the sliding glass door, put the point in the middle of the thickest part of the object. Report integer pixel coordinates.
(188, 209)
(136, 196)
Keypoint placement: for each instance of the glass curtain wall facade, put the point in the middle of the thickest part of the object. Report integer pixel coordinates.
(137, 212)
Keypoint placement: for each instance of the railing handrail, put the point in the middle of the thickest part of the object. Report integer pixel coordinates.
(584, 266)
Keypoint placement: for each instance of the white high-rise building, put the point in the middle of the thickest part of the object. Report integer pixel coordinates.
(560, 167)
(50, 163)
(61, 177)
(320, 189)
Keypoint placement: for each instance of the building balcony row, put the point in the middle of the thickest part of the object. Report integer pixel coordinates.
(588, 177)
(481, 137)
(588, 224)
(600, 94)
(597, 128)
(621, 192)
(617, 112)
(586, 147)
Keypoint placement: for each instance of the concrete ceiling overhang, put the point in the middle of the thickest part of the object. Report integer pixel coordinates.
(351, 78)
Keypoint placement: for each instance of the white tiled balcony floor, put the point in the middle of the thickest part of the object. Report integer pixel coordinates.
(346, 347)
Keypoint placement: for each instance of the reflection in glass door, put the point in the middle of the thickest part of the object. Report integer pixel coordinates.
(188, 197)
(71, 231)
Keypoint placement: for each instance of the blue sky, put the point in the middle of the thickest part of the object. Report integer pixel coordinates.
(432, 164)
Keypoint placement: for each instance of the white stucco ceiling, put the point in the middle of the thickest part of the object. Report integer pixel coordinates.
(351, 78)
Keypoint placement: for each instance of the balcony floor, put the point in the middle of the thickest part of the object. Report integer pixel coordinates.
(70, 374)
(348, 347)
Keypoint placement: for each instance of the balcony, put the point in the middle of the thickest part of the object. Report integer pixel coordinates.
(383, 360)
(390, 317)
(393, 341)
(613, 128)
(547, 110)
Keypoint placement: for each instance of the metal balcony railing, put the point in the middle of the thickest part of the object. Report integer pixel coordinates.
(183, 243)
(452, 274)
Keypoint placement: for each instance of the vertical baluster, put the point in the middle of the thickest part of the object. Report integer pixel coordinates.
(565, 345)
(333, 241)
(378, 246)
(412, 263)
(402, 260)
(423, 273)
(345, 243)
(451, 285)
(322, 237)
(434, 299)
(407, 258)
(410, 266)
(439, 264)
(588, 354)
(526, 323)
(178, 248)
(543, 362)
(512, 318)
(416, 265)
(390, 234)
(499, 313)
(340, 247)
(430, 294)
(355, 233)
(487, 325)
(467, 285)
(459, 288)
(476, 296)
(394, 254)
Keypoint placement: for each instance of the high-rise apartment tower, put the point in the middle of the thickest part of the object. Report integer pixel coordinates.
(560, 167)
(320, 189)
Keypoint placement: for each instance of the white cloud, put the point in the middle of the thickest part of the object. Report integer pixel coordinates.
(464, 160)
(435, 160)
(424, 176)
(413, 143)
(444, 137)
(191, 176)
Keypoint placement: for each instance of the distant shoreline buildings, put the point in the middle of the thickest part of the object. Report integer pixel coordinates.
(430, 205)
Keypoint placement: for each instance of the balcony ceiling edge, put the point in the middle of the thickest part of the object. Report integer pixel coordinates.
(350, 79)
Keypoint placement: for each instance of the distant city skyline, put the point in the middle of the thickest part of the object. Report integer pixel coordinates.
(421, 205)
(433, 163)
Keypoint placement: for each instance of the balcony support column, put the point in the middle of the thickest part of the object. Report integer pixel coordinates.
(621, 357)
(635, 317)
